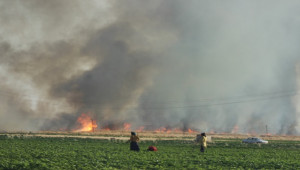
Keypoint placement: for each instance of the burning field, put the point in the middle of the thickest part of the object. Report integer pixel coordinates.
(85, 123)
(87, 128)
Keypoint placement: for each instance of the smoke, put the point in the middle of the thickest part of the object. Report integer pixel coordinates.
(204, 65)
(297, 100)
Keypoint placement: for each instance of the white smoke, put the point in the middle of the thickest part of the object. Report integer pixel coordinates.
(208, 65)
(297, 99)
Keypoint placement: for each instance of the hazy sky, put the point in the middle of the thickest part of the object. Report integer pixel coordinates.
(207, 65)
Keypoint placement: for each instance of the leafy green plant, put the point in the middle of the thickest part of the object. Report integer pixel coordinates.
(71, 153)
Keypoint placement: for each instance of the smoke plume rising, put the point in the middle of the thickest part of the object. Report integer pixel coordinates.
(211, 66)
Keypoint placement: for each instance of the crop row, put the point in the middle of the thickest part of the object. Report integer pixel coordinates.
(71, 153)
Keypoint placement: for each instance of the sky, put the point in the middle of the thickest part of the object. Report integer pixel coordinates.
(206, 65)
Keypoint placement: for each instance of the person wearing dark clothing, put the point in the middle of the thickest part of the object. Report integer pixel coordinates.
(134, 142)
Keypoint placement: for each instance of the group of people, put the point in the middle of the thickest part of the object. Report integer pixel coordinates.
(134, 139)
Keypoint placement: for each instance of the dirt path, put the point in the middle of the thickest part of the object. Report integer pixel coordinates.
(112, 138)
(150, 136)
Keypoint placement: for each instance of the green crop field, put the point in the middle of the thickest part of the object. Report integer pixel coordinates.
(71, 153)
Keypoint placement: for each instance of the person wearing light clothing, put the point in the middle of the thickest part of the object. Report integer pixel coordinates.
(203, 140)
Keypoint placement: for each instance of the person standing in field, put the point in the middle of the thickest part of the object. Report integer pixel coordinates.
(203, 142)
(134, 142)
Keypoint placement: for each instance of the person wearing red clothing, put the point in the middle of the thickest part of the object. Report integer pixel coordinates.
(152, 148)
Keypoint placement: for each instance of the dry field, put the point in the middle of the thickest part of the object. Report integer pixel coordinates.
(147, 135)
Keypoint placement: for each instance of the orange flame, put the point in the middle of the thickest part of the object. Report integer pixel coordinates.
(127, 126)
(87, 124)
(161, 129)
(192, 131)
(140, 129)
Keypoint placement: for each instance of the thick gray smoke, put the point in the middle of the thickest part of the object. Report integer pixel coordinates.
(224, 66)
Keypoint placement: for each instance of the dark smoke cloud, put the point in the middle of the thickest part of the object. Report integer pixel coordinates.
(210, 66)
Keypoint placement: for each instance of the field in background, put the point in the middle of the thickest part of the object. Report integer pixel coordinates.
(148, 135)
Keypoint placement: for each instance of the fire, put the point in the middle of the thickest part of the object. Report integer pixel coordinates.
(161, 129)
(87, 124)
(192, 131)
(140, 129)
(127, 126)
